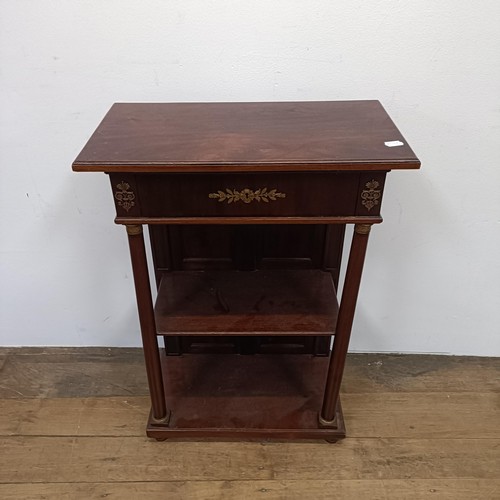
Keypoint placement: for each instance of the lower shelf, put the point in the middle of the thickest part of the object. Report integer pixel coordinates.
(245, 397)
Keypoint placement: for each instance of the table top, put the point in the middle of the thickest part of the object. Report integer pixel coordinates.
(265, 136)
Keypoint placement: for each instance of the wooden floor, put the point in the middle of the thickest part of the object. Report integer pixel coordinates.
(72, 426)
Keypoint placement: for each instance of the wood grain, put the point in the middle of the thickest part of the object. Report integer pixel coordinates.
(419, 427)
(86, 372)
(408, 489)
(309, 159)
(384, 415)
(279, 136)
(285, 302)
(97, 459)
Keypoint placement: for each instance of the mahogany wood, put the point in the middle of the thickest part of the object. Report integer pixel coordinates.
(188, 195)
(250, 220)
(344, 323)
(269, 136)
(147, 321)
(284, 302)
(203, 247)
(215, 196)
(207, 164)
(233, 396)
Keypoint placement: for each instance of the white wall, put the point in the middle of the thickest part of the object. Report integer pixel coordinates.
(432, 280)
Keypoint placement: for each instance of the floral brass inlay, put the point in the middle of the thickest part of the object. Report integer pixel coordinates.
(247, 195)
(371, 195)
(124, 196)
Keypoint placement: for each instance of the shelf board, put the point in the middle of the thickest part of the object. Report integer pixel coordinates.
(245, 397)
(276, 302)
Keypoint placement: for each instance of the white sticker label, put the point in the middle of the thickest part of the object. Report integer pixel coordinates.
(393, 144)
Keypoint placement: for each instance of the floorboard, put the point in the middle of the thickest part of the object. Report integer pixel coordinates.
(388, 415)
(405, 489)
(72, 426)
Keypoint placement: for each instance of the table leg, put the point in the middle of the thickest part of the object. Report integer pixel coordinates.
(327, 417)
(147, 322)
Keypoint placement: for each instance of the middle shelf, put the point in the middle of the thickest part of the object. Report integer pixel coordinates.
(221, 302)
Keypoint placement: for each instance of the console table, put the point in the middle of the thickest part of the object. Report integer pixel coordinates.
(246, 205)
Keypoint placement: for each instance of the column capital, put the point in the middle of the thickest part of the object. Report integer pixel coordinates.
(134, 229)
(362, 228)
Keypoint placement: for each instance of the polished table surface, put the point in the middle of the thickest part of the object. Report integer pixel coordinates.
(284, 136)
(263, 187)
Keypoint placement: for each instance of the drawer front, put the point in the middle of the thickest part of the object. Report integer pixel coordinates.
(302, 194)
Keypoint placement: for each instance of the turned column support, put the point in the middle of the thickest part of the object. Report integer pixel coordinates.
(327, 417)
(147, 322)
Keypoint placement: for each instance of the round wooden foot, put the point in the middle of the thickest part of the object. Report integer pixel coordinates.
(161, 439)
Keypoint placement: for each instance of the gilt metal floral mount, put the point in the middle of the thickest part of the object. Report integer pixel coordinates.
(124, 196)
(247, 195)
(371, 195)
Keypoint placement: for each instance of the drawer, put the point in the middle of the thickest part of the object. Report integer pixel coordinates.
(299, 194)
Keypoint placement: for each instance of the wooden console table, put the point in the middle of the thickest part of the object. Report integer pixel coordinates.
(246, 205)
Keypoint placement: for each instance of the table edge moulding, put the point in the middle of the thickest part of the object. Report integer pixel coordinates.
(247, 313)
